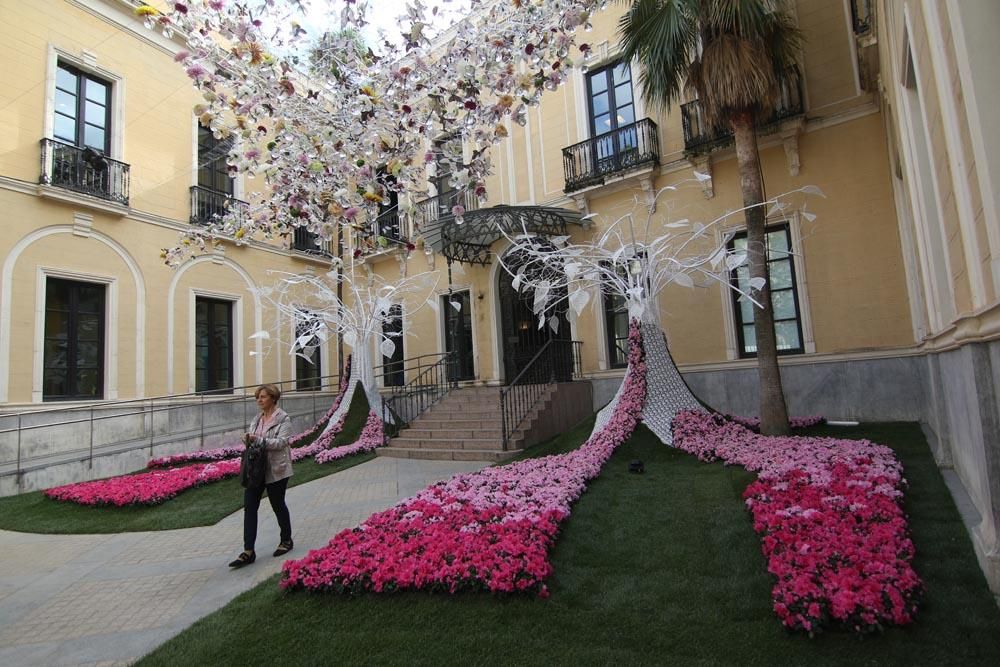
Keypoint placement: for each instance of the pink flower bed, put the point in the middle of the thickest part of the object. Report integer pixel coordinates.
(488, 530)
(753, 423)
(321, 443)
(370, 438)
(147, 488)
(216, 454)
(829, 514)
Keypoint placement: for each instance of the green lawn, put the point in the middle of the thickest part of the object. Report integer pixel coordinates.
(201, 506)
(660, 568)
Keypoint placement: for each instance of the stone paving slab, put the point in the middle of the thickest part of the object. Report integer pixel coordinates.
(110, 599)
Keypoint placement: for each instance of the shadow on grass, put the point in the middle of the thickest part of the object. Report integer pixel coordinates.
(658, 568)
(201, 506)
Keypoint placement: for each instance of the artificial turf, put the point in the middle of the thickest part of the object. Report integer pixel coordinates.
(657, 568)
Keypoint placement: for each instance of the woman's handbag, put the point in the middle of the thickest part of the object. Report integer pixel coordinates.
(253, 467)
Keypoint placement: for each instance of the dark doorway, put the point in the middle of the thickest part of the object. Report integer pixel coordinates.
(213, 346)
(521, 337)
(392, 366)
(458, 334)
(74, 341)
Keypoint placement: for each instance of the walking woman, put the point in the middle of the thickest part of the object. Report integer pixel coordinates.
(269, 430)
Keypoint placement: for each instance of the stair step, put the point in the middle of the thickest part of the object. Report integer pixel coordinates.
(421, 433)
(425, 423)
(449, 454)
(450, 443)
(441, 413)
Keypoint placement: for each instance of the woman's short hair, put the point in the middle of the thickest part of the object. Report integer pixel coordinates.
(270, 389)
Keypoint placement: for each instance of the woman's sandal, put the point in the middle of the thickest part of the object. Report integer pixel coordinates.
(283, 548)
(244, 558)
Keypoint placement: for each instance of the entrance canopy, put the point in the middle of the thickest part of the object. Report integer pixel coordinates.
(470, 241)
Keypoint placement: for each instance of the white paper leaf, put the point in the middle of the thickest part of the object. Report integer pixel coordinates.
(387, 347)
(678, 224)
(516, 283)
(699, 229)
(301, 341)
(808, 216)
(578, 300)
(683, 279)
(757, 283)
(541, 321)
(350, 338)
(263, 335)
(432, 302)
(589, 216)
(554, 324)
(558, 240)
(735, 260)
(717, 258)
(253, 353)
(572, 269)
(702, 177)
(457, 305)
(813, 190)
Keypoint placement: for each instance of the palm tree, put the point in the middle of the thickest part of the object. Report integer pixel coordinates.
(732, 55)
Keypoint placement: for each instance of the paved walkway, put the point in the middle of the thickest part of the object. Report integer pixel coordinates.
(110, 599)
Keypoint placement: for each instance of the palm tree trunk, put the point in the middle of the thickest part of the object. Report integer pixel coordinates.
(773, 413)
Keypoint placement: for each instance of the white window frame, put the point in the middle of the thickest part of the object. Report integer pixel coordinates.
(110, 369)
(238, 334)
(801, 288)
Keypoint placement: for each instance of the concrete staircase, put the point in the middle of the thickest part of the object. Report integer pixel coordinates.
(466, 424)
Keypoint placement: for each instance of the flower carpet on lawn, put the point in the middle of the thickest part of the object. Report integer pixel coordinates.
(489, 530)
(371, 437)
(830, 516)
(171, 475)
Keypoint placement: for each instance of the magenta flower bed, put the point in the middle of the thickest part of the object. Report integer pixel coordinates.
(828, 510)
(322, 422)
(146, 488)
(371, 437)
(217, 454)
(753, 423)
(489, 530)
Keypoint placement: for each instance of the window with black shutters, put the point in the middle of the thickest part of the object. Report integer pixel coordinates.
(784, 295)
(82, 109)
(73, 358)
(213, 345)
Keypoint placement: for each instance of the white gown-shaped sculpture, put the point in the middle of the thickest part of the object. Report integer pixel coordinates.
(666, 392)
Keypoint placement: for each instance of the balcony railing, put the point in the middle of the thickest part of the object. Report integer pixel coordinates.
(442, 205)
(389, 226)
(592, 161)
(84, 170)
(700, 137)
(208, 204)
(305, 241)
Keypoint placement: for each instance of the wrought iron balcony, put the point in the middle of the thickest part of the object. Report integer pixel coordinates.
(592, 161)
(84, 170)
(208, 204)
(699, 137)
(305, 241)
(389, 226)
(442, 206)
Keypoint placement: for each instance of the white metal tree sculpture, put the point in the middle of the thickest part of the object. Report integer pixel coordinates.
(311, 302)
(636, 257)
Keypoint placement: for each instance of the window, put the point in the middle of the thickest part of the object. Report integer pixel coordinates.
(308, 368)
(74, 340)
(784, 296)
(82, 109)
(612, 115)
(213, 345)
(616, 327)
(392, 373)
(213, 173)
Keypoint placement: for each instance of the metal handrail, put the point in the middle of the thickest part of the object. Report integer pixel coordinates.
(547, 367)
(208, 204)
(428, 386)
(147, 409)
